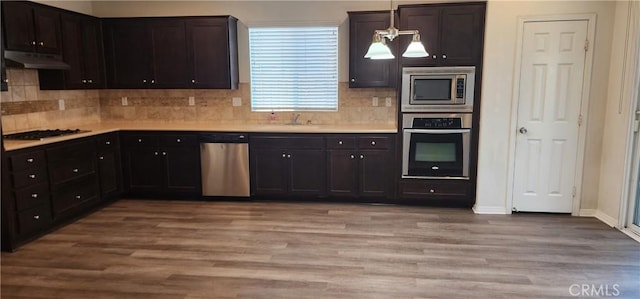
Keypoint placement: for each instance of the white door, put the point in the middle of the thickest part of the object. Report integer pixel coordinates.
(549, 100)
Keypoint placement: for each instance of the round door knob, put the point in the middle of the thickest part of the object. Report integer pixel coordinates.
(34, 195)
(523, 130)
(353, 79)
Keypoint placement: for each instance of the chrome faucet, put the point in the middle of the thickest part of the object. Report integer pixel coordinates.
(294, 119)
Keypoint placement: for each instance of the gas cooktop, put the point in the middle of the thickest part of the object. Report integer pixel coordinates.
(41, 134)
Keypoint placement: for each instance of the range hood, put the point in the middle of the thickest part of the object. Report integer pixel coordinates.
(29, 60)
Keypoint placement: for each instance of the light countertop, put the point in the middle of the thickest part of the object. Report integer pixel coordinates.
(106, 127)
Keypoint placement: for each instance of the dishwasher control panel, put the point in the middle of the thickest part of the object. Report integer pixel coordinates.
(224, 138)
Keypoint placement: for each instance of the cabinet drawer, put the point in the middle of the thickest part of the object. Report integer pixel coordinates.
(341, 142)
(179, 140)
(286, 142)
(141, 140)
(107, 141)
(74, 195)
(34, 219)
(30, 197)
(71, 151)
(29, 177)
(27, 160)
(374, 142)
(70, 169)
(425, 188)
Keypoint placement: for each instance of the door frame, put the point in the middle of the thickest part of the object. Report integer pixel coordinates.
(584, 102)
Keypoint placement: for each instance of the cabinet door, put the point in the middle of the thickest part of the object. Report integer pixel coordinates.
(72, 51)
(47, 26)
(462, 35)
(268, 171)
(18, 26)
(144, 169)
(365, 72)
(169, 53)
(182, 169)
(307, 172)
(109, 173)
(128, 53)
(342, 173)
(93, 54)
(376, 173)
(210, 54)
(4, 86)
(426, 21)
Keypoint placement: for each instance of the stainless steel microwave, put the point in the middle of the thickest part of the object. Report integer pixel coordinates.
(438, 89)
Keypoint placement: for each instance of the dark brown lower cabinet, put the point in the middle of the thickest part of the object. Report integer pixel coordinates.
(287, 165)
(361, 166)
(161, 164)
(446, 192)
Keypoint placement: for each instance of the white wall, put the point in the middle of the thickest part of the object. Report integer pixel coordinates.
(497, 98)
(80, 6)
(622, 84)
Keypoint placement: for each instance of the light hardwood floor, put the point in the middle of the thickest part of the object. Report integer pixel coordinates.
(172, 249)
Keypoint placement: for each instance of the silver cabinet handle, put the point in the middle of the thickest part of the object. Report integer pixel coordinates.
(139, 140)
(353, 79)
(373, 143)
(101, 158)
(353, 157)
(523, 130)
(284, 155)
(153, 81)
(155, 153)
(30, 160)
(76, 170)
(84, 81)
(164, 153)
(289, 156)
(144, 80)
(33, 43)
(90, 81)
(361, 156)
(444, 56)
(36, 217)
(178, 140)
(434, 57)
(109, 142)
(432, 191)
(193, 81)
(34, 195)
(42, 43)
(32, 176)
(340, 142)
(78, 197)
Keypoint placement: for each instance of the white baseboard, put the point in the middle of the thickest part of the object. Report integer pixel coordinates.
(608, 220)
(631, 234)
(588, 213)
(490, 210)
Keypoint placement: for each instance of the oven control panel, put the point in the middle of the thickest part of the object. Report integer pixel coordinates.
(437, 123)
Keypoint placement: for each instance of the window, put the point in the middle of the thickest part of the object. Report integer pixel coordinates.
(294, 68)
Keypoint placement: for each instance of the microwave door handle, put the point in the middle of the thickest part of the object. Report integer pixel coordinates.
(438, 131)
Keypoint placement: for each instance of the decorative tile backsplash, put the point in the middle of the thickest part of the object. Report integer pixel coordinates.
(26, 107)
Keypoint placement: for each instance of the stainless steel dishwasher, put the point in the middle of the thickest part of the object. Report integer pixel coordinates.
(225, 164)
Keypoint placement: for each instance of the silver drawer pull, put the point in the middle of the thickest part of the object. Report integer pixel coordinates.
(373, 143)
(284, 155)
(84, 81)
(34, 195)
(361, 156)
(32, 176)
(33, 43)
(353, 157)
(101, 157)
(431, 190)
(108, 143)
(155, 153)
(42, 43)
(76, 170)
(36, 217)
(435, 167)
(90, 81)
(139, 140)
(78, 196)
(164, 153)
(178, 140)
(30, 160)
(289, 156)
(340, 142)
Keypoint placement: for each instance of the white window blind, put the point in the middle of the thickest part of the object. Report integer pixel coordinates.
(294, 68)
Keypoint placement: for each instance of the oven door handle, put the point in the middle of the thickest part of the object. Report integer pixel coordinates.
(438, 131)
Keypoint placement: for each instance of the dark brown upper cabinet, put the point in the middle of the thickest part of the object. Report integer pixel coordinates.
(364, 72)
(452, 34)
(31, 27)
(190, 52)
(82, 50)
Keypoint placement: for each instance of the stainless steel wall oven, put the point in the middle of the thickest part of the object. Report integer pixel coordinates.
(436, 146)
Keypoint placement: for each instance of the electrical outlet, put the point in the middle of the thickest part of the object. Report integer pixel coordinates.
(374, 101)
(236, 101)
(387, 101)
(125, 102)
(61, 104)
(192, 101)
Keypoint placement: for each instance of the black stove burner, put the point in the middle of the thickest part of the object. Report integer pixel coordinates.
(41, 134)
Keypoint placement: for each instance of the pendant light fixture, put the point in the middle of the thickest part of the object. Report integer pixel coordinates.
(379, 49)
